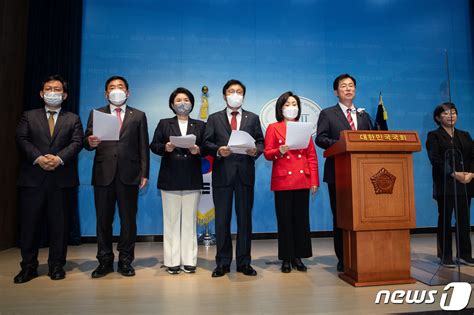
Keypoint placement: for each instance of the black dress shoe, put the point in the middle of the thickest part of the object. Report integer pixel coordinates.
(298, 264)
(285, 266)
(125, 269)
(220, 271)
(102, 270)
(247, 270)
(448, 262)
(340, 266)
(56, 272)
(25, 275)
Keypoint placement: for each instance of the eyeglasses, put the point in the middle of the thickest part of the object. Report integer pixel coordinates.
(52, 89)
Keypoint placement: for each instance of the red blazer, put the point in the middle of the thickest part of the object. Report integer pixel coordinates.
(296, 169)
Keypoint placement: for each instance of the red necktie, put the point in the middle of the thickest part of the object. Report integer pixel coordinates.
(233, 120)
(118, 110)
(349, 119)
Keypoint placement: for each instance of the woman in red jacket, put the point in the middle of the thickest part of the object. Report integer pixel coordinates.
(294, 174)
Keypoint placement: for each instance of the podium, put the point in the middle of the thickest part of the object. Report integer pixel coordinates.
(375, 204)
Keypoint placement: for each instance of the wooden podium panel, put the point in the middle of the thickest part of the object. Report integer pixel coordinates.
(376, 257)
(375, 204)
(372, 210)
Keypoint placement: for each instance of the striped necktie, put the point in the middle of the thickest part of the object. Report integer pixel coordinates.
(349, 119)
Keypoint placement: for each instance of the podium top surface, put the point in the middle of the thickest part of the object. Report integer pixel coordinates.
(375, 141)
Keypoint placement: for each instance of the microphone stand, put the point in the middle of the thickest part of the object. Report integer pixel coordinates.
(453, 151)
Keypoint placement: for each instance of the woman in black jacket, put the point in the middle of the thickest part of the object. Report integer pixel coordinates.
(451, 153)
(180, 181)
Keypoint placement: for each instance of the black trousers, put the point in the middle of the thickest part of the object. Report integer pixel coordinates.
(223, 197)
(444, 236)
(338, 246)
(292, 210)
(36, 203)
(106, 197)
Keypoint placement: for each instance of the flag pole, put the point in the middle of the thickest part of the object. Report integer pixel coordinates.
(447, 73)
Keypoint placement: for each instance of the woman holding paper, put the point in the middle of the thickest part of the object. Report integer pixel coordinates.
(180, 181)
(294, 175)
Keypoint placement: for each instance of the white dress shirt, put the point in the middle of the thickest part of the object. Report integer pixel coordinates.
(122, 113)
(56, 110)
(183, 126)
(353, 112)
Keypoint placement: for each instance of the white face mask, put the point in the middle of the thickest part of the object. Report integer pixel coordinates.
(117, 97)
(235, 100)
(290, 112)
(53, 99)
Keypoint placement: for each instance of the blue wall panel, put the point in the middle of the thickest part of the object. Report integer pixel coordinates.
(396, 47)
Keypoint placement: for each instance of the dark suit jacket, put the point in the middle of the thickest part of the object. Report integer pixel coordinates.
(437, 143)
(217, 134)
(179, 170)
(330, 124)
(130, 155)
(34, 139)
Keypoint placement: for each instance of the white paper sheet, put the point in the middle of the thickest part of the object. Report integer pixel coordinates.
(240, 141)
(298, 134)
(186, 141)
(105, 126)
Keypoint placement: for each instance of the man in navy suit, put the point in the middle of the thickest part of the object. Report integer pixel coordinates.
(120, 169)
(49, 139)
(233, 175)
(332, 120)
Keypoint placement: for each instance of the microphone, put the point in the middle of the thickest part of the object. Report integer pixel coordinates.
(360, 113)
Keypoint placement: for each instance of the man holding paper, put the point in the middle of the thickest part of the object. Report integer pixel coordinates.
(178, 141)
(120, 169)
(294, 175)
(233, 176)
(332, 120)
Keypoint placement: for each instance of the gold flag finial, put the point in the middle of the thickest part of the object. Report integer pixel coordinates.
(204, 111)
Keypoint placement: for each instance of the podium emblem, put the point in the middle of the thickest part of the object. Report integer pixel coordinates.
(383, 182)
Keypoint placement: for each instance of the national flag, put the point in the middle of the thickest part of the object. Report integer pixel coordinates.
(382, 116)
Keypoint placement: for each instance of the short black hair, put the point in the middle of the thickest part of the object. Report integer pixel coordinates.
(55, 77)
(181, 90)
(281, 101)
(341, 77)
(115, 77)
(232, 82)
(442, 108)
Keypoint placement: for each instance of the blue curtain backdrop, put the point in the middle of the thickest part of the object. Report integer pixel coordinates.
(396, 47)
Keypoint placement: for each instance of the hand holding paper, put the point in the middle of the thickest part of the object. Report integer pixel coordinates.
(240, 141)
(106, 127)
(298, 134)
(185, 142)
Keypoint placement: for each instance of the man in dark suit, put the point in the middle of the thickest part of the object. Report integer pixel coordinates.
(233, 174)
(332, 120)
(49, 139)
(120, 169)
